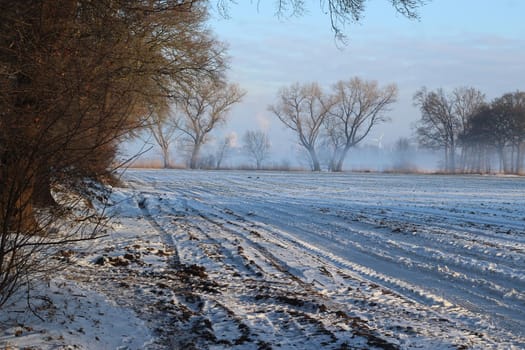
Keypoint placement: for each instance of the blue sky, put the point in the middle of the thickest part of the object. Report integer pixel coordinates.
(479, 43)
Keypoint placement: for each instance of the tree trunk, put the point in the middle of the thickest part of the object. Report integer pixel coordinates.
(316, 166)
(315, 160)
(447, 163)
(42, 197)
(463, 163)
(195, 156)
(452, 159)
(166, 163)
(341, 159)
(16, 199)
(338, 167)
(501, 154)
(331, 164)
(519, 160)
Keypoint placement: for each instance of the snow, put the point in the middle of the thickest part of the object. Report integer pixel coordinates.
(291, 260)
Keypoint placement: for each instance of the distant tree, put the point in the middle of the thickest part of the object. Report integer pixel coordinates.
(438, 127)
(443, 118)
(403, 150)
(501, 126)
(358, 107)
(202, 107)
(303, 109)
(224, 149)
(257, 146)
(467, 101)
(479, 137)
(163, 130)
(514, 106)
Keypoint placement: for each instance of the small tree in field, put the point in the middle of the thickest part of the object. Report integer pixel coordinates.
(303, 109)
(163, 130)
(257, 146)
(359, 106)
(202, 107)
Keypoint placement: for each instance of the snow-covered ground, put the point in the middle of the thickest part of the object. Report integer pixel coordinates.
(266, 260)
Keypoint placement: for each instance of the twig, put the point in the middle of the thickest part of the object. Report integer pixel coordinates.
(29, 301)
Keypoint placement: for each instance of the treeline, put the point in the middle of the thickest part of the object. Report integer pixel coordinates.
(327, 124)
(476, 136)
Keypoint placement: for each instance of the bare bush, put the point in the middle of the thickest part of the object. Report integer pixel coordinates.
(257, 146)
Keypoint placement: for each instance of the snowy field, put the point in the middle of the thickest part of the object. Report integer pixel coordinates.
(268, 260)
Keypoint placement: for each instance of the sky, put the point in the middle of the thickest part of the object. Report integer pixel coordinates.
(478, 43)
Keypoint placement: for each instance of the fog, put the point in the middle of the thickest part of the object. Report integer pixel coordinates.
(290, 156)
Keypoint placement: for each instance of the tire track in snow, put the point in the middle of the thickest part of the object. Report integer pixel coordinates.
(365, 249)
(142, 203)
(360, 327)
(463, 310)
(241, 226)
(260, 194)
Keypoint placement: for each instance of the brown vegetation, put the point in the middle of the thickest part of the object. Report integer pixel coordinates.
(76, 77)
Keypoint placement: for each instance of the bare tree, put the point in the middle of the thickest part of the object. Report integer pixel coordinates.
(163, 130)
(224, 148)
(438, 127)
(202, 107)
(467, 102)
(257, 146)
(443, 118)
(514, 105)
(486, 131)
(500, 126)
(303, 109)
(359, 106)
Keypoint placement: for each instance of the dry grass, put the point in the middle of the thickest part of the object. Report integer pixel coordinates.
(151, 163)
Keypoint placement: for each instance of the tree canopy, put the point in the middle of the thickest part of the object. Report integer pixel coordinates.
(77, 76)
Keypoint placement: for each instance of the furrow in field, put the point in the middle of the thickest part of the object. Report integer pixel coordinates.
(437, 240)
(425, 267)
